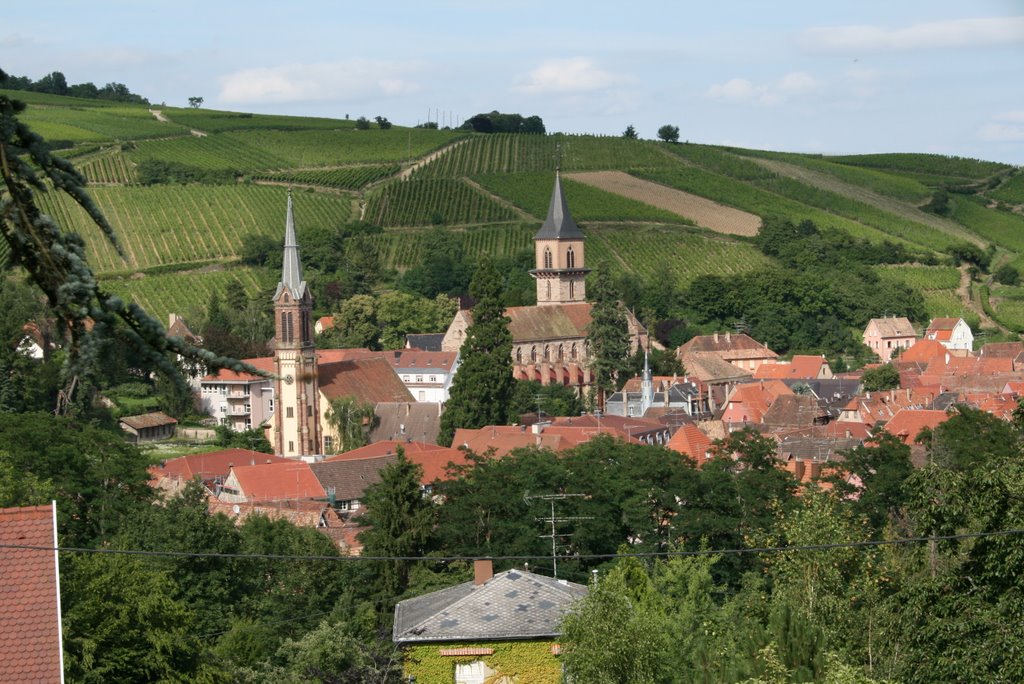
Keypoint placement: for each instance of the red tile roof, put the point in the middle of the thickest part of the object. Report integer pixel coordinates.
(432, 458)
(278, 481)
(30, 638)
(501, 439)
(691, 441)
(367, 379)
(801, 367)
(424, 360)
(262, 363)
(908, 423)
(924, 350)
(943, 324)
(209, 465)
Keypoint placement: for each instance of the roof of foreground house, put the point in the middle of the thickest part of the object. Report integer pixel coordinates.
(510, 605)
(30, 638)
(892, 326)
(367, 379)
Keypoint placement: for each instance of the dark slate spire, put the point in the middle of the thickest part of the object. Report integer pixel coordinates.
(559, 225)
(291, 269)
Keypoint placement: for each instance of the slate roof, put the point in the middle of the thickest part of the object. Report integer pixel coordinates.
(367, 379)
(350, 478)
(559, 224)
(30, 638)
(794, 410)
(510, 605)
(424, 341)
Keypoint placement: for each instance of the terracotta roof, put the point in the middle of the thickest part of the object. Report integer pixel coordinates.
(501, 439)
(262, 363)
(30, 638)
(210, 465)
(892, 327)
(367, 379)
(416, 360)
(325, 322)
(148, 420)
(1008, 350)
(801, 368)
(728, 346)
(924, 350)
(908, 423)
(178, 328)
(691, 441)
(943, 324)
(432, 458)
(278, 481)
(553, 321)
(510, 605)
(749, 402)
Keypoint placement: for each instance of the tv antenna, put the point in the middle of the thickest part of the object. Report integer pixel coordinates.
(553, 520)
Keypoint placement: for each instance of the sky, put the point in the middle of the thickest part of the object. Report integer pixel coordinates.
(831, 77)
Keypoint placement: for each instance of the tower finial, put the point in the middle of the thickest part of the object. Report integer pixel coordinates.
(558, 158)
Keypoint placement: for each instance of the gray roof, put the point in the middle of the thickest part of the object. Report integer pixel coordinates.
(291, 269)
(424, 341)
(559, 225)
(349, 479)
(511, 605)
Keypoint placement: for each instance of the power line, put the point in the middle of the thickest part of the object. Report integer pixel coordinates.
(591, 556)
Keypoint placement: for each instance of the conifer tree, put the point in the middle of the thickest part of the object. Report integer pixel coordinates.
(607, 335)
(482, 389)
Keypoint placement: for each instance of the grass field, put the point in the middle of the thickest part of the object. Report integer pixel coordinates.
(1011, 191)
(999, 227)
(922, 277)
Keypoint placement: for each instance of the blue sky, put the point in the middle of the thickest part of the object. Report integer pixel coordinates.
(836, 77)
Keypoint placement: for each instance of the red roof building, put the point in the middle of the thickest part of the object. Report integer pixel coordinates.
(211, 468)
(30, 618)
(690, 441)
(908, 423)
(800, 368)
(288, 480)
(432, 458)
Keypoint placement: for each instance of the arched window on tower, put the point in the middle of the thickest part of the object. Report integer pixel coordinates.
(547, 258)
(519, 354)
(572, 352)
(570, 258)
(547, 353)
(533, 354)
(548, 290)
(572, 289)
(561, 352)
(287, 328)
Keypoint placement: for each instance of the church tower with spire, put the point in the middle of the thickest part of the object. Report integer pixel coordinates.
(296, 394)
(560, 272)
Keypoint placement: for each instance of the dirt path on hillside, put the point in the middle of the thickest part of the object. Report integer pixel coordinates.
(159, 116)
(964, 293)
(405, 173)
(824, 181)
(702, 211)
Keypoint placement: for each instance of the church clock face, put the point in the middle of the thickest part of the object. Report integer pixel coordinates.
(288, 379)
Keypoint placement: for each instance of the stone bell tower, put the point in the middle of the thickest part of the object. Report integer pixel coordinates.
(560, 272)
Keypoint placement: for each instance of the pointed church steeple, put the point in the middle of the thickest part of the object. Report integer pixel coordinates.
(560, 272)
(291, 267)
(296, 388)
(646, 386)
(559, 224)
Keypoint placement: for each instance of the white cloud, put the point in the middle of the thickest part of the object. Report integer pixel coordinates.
(1016, 115)
(793, 84)
(956, 33)
(997, 132)
(574, 75)
(349, 80)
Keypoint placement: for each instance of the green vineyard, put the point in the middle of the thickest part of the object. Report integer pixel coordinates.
(400, 249)
(108, 168)
(345, 178)
(531, 192)
(433, 201)
(163, 225)
(185, 293)
(506, 153)
(922, 277)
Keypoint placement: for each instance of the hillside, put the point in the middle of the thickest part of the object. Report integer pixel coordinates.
(184, 188)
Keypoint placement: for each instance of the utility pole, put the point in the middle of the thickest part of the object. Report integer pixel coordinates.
(552, 520)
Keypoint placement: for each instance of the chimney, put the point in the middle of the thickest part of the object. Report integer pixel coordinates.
(716, 338)
(483, 570)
